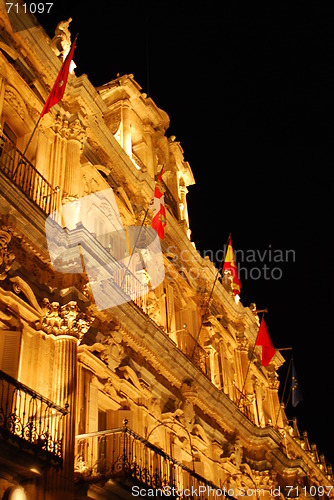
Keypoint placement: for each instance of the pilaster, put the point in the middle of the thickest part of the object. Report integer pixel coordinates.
(126, 121)
(72, 179)
(242, 362)
(2, 97)
(67, 324)
(275, 407)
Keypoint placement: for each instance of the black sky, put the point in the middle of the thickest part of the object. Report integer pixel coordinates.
(249, 91)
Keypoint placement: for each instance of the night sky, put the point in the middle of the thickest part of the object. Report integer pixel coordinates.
(249, 91)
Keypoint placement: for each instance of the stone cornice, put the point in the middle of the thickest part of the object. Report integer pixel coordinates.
(142, 105)
(287, 466)
(305, 457)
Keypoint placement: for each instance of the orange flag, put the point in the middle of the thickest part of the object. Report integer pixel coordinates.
(230, 265)
(59, 86)
(159, 212)
(263, 339)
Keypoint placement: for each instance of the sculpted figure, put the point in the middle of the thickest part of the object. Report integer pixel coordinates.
(62, 38)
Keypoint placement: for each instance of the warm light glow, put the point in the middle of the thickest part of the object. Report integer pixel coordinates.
(237, 299)
(33, 469)
(72, 67)
(18, 494)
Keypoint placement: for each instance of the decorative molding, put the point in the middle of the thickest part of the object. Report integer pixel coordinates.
(19, 285)
(15, 102)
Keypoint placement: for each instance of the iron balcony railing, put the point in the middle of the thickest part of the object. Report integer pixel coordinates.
(26, 177)
(31, 420)
(124, 456)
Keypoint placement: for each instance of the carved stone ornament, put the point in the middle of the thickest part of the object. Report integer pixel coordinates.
(64, 320)
(76, 131)
(62, 38)
(69, 129)
(15, 101)
(6, 256)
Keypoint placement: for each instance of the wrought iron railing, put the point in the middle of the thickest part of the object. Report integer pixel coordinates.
(26, 177)
(124, 456)
(135, 286)
(29, 419)
(191, 349)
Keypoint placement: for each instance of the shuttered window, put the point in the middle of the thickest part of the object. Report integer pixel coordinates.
(10, 343)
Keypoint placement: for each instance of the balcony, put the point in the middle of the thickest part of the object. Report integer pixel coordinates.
(26, 177)
(29, 420)
(128, 459)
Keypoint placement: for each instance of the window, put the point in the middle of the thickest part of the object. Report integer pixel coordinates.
(7, 149)
(8, 132)
(10, 343)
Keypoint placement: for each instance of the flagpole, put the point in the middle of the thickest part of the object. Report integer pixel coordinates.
(251, 357)
(42, 114)
(138, 235)
(27, 145)
(32, 135)
(284, 388)
(210, 296)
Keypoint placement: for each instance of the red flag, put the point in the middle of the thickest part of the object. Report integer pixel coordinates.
(159, 212)
(263, 339)
(58, 88)
(230, 265)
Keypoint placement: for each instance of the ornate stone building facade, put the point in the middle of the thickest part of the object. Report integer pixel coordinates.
(164, 390)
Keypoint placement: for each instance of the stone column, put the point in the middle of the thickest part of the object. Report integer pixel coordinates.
(227, 371)
(148, 133)
(67, 325)
(259, 401)
(71, 182)
(274, 402)
(126, 121)
(183, 199)
(72, 178)
(242, 364)
(58, 155)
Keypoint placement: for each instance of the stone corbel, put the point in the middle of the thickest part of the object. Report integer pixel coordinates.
(130, 375)
(19, 285)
